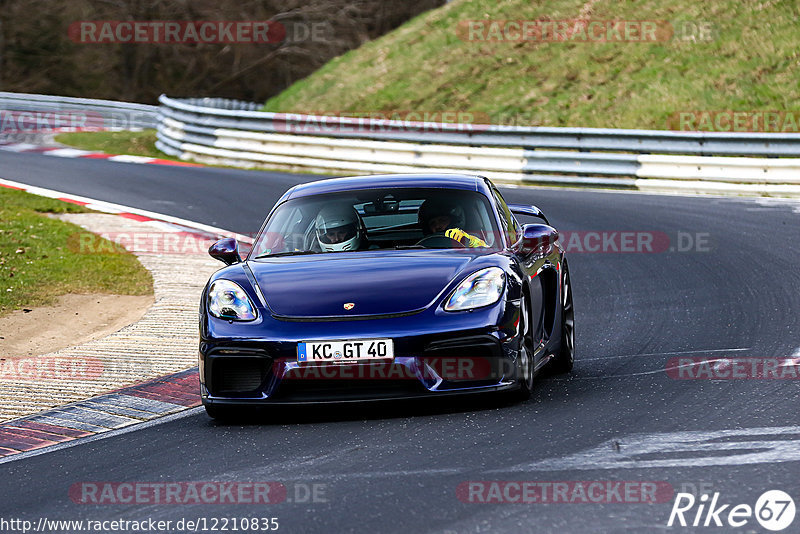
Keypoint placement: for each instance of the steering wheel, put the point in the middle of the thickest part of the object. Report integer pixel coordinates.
(440, 241)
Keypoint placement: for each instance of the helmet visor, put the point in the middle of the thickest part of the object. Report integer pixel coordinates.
(331, 235)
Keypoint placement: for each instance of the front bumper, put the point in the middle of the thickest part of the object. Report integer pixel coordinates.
(428, 362)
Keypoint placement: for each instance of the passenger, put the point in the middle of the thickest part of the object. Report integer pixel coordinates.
(442, 216)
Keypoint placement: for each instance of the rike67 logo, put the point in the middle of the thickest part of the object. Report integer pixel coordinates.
(774, 510)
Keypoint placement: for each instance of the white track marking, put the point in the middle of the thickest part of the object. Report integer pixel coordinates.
(131, 159)
(19, 147)
(680, 449)
(69, 152)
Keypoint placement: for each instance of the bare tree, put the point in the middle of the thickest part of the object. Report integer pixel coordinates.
(40, 56)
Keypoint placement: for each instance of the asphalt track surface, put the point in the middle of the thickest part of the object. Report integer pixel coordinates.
(395, 468)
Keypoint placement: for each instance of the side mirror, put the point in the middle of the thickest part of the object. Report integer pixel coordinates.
(538, 238)
(529, 210)
(225, 250)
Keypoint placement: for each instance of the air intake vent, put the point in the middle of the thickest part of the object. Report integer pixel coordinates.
(238, 375)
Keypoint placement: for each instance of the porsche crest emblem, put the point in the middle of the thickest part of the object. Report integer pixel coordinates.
(349, 306)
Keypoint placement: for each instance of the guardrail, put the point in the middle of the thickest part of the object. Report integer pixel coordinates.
(210, 113)
(226, 132)
(234, 132)
(30, 113)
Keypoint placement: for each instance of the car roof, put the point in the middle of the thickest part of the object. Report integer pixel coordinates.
(380, 181)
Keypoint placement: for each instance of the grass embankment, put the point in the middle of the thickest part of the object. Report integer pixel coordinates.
(129, 143)
(724, 55)
(40, 259)
(747, 61)
(133, 144)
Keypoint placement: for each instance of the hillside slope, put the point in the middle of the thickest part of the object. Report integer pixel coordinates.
(722, 55)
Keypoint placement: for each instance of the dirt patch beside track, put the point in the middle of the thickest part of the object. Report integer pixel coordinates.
(73, 320)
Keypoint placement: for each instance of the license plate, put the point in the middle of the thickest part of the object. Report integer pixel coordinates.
(345, 351)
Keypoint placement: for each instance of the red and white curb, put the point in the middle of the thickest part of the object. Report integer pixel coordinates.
(66, 152)
(97, 415)
(123, 408)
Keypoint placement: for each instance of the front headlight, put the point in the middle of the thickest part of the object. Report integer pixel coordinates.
(227, 300)
(481, 288)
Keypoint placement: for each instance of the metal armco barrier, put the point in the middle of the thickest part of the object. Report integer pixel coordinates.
(233, 133)
(29, 113)
(240, 116)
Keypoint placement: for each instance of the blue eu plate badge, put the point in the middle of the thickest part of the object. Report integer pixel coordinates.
(302, 356)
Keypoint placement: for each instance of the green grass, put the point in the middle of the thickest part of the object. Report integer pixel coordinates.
(40, 259)
(129, 143)
(748, 62)
(133, 144)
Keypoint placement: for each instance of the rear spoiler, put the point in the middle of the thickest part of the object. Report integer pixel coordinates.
(529, 210)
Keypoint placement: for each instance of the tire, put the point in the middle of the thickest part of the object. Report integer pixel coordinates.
(565, 359)
(525, 358)
(220, 413)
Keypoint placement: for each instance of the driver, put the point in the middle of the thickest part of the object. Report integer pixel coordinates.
(338, 228)
(442, 216)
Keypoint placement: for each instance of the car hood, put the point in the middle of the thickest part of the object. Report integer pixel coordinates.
(375, 282)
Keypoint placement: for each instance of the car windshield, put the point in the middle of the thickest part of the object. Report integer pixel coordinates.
(374, 219)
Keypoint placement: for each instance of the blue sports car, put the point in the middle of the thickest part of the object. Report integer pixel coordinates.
(386, 287)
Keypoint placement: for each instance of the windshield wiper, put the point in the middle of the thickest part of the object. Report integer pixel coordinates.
(407, 247)
(286, 253)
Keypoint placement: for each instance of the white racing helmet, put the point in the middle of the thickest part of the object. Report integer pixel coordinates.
(338, 228)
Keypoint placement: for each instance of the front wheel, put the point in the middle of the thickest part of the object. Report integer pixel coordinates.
(525, 356)
(564, 361)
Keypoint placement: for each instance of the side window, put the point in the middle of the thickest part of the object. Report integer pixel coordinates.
(510, 225)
